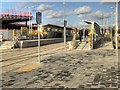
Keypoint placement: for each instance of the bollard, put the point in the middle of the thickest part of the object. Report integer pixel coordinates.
(21, 44)
(89, 41)
(74, 37)
(69, 45)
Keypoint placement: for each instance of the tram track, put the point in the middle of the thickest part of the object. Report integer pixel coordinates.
(19, 51)
(13, 63)
(9, 51)
(22, 55)
(29, 57)
(26, 52)
(18, 64)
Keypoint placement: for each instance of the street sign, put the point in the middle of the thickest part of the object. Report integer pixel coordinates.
(38, 18)
(65, 23)
(39, 22)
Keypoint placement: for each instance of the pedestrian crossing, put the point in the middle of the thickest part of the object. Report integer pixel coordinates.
(83, 46)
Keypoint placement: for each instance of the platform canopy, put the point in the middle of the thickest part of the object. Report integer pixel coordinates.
(5, 19)
(88, 22)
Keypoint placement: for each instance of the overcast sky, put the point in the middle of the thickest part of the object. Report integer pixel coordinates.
(76, 12)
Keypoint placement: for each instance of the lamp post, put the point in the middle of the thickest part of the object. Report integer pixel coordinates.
(39, 25)
(29, 18)
(64, 3)
(103, 23)
(116, 24)
(39, 22)
(113, 22)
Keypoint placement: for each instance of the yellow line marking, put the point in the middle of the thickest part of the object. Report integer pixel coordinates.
(29, 68)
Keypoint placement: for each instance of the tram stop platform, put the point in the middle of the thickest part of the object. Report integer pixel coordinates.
(31, 43)
(103, 43)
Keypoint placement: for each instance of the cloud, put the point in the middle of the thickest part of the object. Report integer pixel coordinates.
(55, 21)
(100, 15)
(81, 16)
(83, 10)
(105, 1)
(21, 5)
(43, 7)
(53, 14)
(36, 0)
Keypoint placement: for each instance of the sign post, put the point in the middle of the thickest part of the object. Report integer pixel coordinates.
(65, 24)
(38, 43)
(39, 21)
(116, 32)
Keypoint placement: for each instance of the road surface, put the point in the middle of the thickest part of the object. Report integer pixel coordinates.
(62, 68)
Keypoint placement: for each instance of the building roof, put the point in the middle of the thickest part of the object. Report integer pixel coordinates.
(52, 26)
(56, 26)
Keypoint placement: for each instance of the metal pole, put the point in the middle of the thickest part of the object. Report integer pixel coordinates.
(64, 24)
(31, 27)
(64, 34)
(2, 39)
(113, 24)
(83, 31)
(107, 24)
(29, 20)
(39, 43)
(21, 31)
(116, 23)
(117, 52)
(103, 24)
(92, 34)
